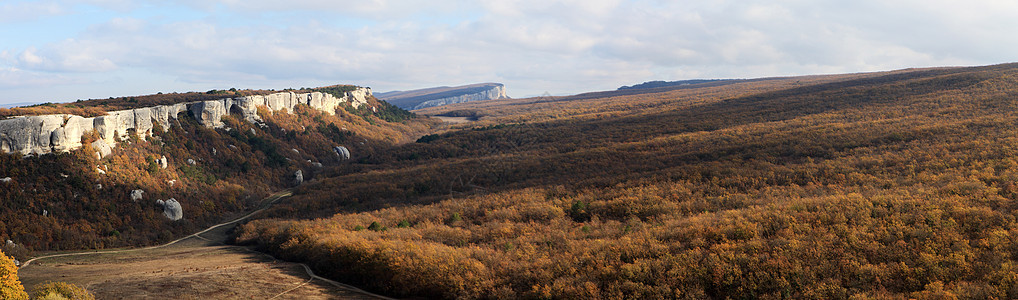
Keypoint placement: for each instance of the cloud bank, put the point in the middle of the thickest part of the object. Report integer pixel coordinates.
(76, 49)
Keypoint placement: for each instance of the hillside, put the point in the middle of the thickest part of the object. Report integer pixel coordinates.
(438, 96)
(160, 177)
(878, 185)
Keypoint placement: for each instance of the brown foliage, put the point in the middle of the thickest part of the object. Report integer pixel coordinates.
(884, 185)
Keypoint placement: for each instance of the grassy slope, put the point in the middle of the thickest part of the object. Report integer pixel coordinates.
(898, 184)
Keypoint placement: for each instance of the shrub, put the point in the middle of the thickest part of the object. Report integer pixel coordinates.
(375, 226)
(61, 290)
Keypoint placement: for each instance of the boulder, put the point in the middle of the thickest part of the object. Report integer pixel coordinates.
(102, 148)
(342, 152)
(137, 195)
(171, 209)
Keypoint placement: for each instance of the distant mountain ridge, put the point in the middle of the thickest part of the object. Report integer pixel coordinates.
(16, 104)
(437, 96)
(660, 84)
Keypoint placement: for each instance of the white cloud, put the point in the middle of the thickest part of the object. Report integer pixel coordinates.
(560, 46)
(68, 56)
(11, 77)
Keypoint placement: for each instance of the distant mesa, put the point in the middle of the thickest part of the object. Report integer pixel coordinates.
(437, 96)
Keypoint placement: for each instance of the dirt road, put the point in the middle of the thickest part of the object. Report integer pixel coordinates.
(198, 266)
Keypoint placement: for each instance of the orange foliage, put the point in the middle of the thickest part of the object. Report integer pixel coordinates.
(883, 185)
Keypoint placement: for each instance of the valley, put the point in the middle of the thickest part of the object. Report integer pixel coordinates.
(868, 185)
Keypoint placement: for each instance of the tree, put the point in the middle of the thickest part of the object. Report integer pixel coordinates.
(10, 285)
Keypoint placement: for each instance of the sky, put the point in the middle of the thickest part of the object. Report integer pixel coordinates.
(64, 50)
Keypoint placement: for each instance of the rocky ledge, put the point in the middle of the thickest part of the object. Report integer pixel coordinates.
(423, 98)
(62, 132)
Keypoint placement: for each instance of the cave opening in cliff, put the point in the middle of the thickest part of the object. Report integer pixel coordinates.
(235, 110)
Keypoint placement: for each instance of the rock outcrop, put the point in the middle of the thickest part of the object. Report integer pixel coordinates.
(171, 209)
(418, 99)
(62, 132)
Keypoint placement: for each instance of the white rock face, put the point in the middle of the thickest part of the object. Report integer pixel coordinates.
(209, 113)
(137, 195)
(496, 92)
(342, 152)
(171, 209)
(298, 177)
(60, 133)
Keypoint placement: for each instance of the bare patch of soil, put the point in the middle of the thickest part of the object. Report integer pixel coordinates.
(188, 270)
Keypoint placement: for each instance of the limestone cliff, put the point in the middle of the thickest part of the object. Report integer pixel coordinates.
(418, 99)
(62, 133)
